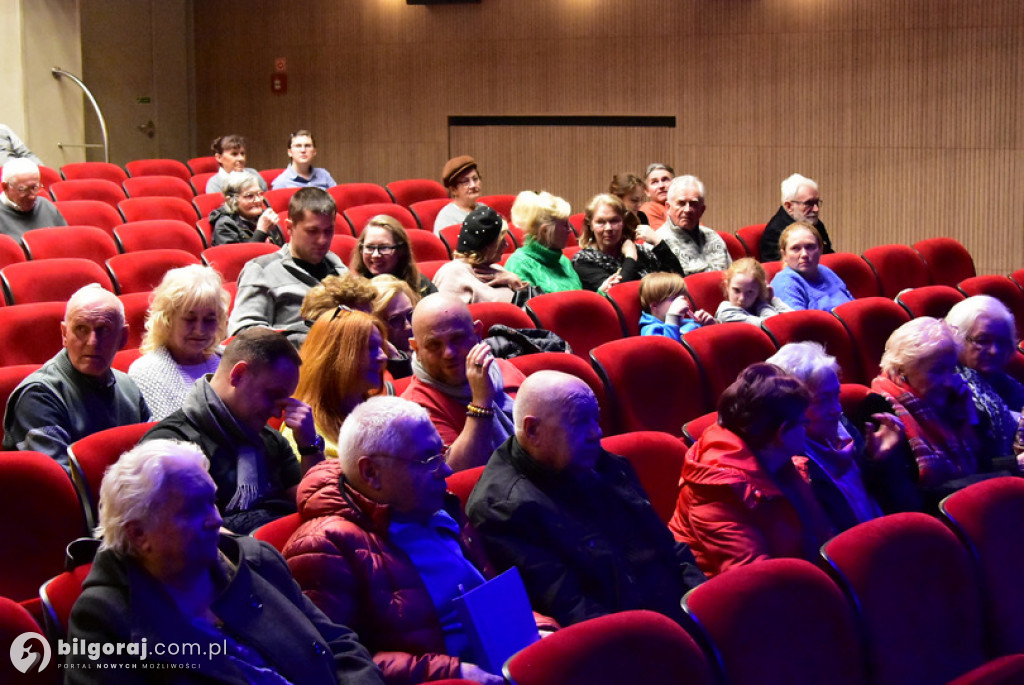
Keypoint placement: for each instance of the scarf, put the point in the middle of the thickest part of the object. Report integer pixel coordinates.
(942, 451)
(501, 423)
(204, 408)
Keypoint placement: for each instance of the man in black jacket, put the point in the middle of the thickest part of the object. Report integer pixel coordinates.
(801, 201)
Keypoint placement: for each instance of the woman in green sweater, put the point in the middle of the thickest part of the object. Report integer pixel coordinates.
(545, 220)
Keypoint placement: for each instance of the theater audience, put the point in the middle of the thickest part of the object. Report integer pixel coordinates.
(394, 306)
(747, 295)
(544, 219)
(186, 323)
(226, 414)
(382, 548)
(609, 253)
(657, 178)
(572, 517)
(461, 178)
(300, 172)
(742, 499)
(630, 189)
(855, 476)
(21, 208)
(800, 202)
(166, 575)
(244, 217)
(920, 381)
(459, 382)
(230, 153)
(384, 249)
(804, 283)
(343, 362)
(271, 288)
(666, 307)
(697, 247)
(474, 275)
(76, 393)
(986, 328)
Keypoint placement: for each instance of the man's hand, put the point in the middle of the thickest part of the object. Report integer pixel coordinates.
(648, 235)
(299, 417)
(478, 367)
(468, 671)
(880, 442)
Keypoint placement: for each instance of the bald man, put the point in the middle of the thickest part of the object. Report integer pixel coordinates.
(76, 393)
(459, 382)
(572, 517)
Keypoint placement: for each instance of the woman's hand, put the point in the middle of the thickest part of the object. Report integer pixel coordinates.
(648, 235)
(880, 442)
(628, 249)
(468, 671)
(507, 279)
(268, 221)
(478, 367)
(609, 282)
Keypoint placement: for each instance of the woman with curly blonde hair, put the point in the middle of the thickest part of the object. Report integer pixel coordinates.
(186, 323)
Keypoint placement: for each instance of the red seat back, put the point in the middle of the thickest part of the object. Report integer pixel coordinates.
(750, 236)
(88, 189)
(490, 313)
(228, 260)
(948, 261)
(30, 333)
(10, 377)
(582, 318)
(16, 620)
(278, 199)
(657, 459)
(157, 234)
(159, 186)
(136, 307)
(706, 290)
(277, 532)
(626, 298)
(723, 350)
(90, 213)
(856, 273)
(102, 170)
(821, 327)
(502, 204)
(573, 365)
(203, 165)
(1003, 289)
(426, 211)
(160, 167)
(736, 248)
(870, 321)
(144, 208)
(426, 246)
(50, 280)
(930, 300)
(461, 483)
(898, 267)
(10, 251)
(83, 242)
(354, 194)
(206, 203)
(143, 271)
(409, 191)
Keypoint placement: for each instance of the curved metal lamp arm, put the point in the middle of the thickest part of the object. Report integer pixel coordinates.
(57, 73)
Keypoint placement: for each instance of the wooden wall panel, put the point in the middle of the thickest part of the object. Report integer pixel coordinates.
(908, 113)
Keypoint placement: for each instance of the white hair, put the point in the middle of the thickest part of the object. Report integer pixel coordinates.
(792, 185)
(915, 341)
(19, 166)
(687, 181)
(964, 314)
(131, 487)
(373, 428)
(807, 360)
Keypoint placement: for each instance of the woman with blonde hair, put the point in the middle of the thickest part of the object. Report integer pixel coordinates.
(393, 306)
(384, 249)
(545, 220)
(748, 297)
(343, 363)
(186, 323)
(610, 254)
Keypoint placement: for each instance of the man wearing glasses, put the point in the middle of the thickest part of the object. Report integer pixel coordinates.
(801, 201)
(21, 208)
(384, 550)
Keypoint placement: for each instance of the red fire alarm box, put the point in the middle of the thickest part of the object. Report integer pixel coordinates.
(279, 84)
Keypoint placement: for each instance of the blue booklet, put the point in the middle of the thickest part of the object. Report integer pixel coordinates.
(497, 619)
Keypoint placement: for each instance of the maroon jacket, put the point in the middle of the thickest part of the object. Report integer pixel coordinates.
(344, 562)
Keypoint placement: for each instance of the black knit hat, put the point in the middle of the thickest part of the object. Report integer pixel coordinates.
(480, 229)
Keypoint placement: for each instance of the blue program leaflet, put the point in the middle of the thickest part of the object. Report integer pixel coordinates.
(498, 619)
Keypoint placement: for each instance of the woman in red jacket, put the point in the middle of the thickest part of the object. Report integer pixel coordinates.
(742, 499)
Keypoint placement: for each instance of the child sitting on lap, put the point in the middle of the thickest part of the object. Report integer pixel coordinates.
(666, 308)
(748, 297)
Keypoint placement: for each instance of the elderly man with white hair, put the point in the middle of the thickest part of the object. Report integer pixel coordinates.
(76, 393)
(697, 247)
(195, 603)
(21, 208)
(801, 201)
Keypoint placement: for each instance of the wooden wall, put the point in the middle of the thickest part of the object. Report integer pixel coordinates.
(907, 113)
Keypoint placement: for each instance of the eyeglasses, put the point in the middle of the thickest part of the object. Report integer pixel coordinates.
(383, 250)
(983, 342)
(468, 180)
(431, 462)
(809, 203)
(339, 309)
(396, 320)
(252, 195)
(34, 188)
(302, 146)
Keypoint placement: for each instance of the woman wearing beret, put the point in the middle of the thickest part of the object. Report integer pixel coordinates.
(462, 179)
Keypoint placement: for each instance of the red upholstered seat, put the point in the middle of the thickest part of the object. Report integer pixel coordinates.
(870, 321)
(159, 167)
(706, 290)
(83, 242)
(736, 248)
(59, 595)
(159, 186)
(626, 299)
(91, 456)
(426, 211)
(203, 165)
(144, 208)
(490, 313)
(343, 245)
(651, 383)
(200, 180)
(88, 189)
(779, 621)
(657, 458)
(277, 199)
(750, 236)
(143, 271)
(694, 428)
(930, 300)
(772, 268)
(102, 170)
(136, 306)
(156, 234)
(821, 327)
(409, 191)
(461, 483)
(10, 251)
(10, 377)
(125, 357)
(30, 333)
(582, 318)
(857, 274)
(426, 246)
(1002, 288)
(228, 260)
(429, 268)
(948, 261)
(723, 350)
(626, 647)
(39, 516)
(15, 620)
(206, 203)
(277, 532)
(502, 204)
(90, 213)
(48, 175)
(270, 174)
(898, 267)
(354, 194)
(988, 516)
(50, 280)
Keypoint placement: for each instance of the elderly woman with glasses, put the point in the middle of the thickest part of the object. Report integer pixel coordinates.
(244, 217)
(987, 330)
(384, 249)
(461, 178)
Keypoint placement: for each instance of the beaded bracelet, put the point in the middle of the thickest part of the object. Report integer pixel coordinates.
(476, 412)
